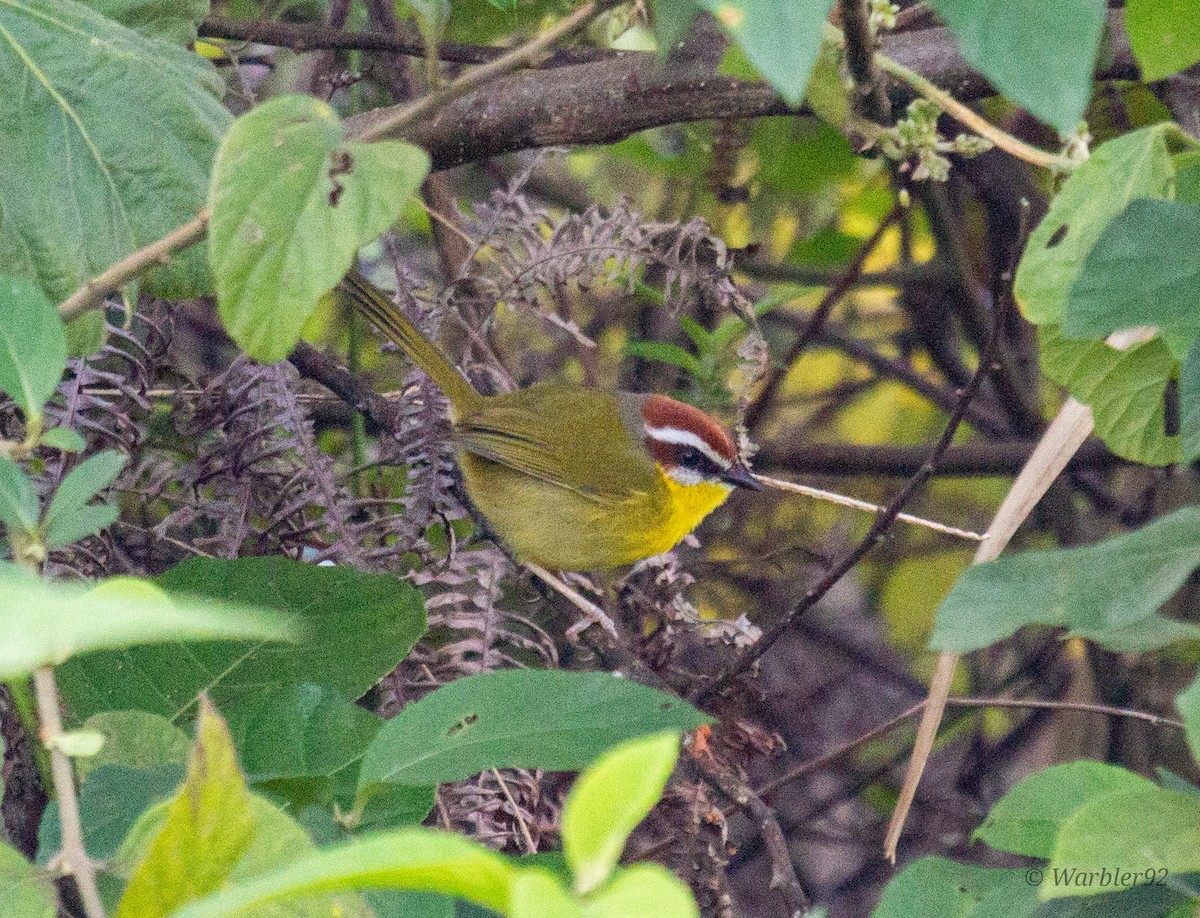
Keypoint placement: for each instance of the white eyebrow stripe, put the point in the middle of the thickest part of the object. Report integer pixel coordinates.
(686, 438)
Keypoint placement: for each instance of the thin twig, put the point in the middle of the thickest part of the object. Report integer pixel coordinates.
(303, 36)
(594, 615)
(783, 869)
(980, 125)
(875, 534)
(394, 121)
(73, 856)
(840, 287)
(1086, 707)
(855, 503)
(530, 847)
(92, 293)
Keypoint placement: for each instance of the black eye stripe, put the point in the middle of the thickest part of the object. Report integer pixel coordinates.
(692, 458)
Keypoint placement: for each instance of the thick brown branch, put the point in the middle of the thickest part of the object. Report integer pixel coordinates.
(606, 101)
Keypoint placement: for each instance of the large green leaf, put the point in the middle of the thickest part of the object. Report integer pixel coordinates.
(781, 38)
(108, 137)
(523, 718)
(1136, 165)
(110, 802)
(1041, 55)
(1165, 35)
(609, 800)
(1107, 592)
(1026, 820)
(171, 20)
(937, 888)
(643, 891)
(1126, 391)
(45, 624)
(1142, 271)
(303, 738)
(292, 202)
(1147, 831)
(25, 892)
(403, 859)
(353, 629)
(135, 739)
(211, 833)
(33, 343)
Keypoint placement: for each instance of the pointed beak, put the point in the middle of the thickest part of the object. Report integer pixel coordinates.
(742, 477)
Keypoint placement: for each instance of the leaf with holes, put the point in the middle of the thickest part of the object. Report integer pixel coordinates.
(522, 718)
(1137, 165)
(292, 202)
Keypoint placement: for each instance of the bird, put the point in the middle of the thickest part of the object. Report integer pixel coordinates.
(573, 478)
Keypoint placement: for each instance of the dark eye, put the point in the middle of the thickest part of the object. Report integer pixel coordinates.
(691, 457)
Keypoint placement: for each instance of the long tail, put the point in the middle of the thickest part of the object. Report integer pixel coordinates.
(374, 304)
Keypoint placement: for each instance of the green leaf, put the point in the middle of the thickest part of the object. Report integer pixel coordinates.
(214, 832)
(87, 334)
(782, 38)
(134, 739)
(1142, 271)
(393, 904)
(206, 829)
(1026, 820)
(80, 523)
(537, 894)
(136, 119)
(1040, 55)
(1107, 592)
(935, 888)
(1126, 391)
(393, 806)
(609, 800)
(1189, 404)
(45, 623)
(1164, 34)
(419, 859)
(25, 892)
(672, 19)
(18, 502)
(33, 341)
(1141, 829)
(302, 731)
(175, 21)
(292, 202)
(521, 718)
(63, 439)
(69, 518)
(353, 629)
(1135, 165)
(663, 352)
(643, 891)
(110, 802)
(1188, 703)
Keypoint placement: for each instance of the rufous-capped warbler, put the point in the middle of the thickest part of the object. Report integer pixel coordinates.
(573, 478)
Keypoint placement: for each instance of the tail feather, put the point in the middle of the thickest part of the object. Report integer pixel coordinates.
(374, 305)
